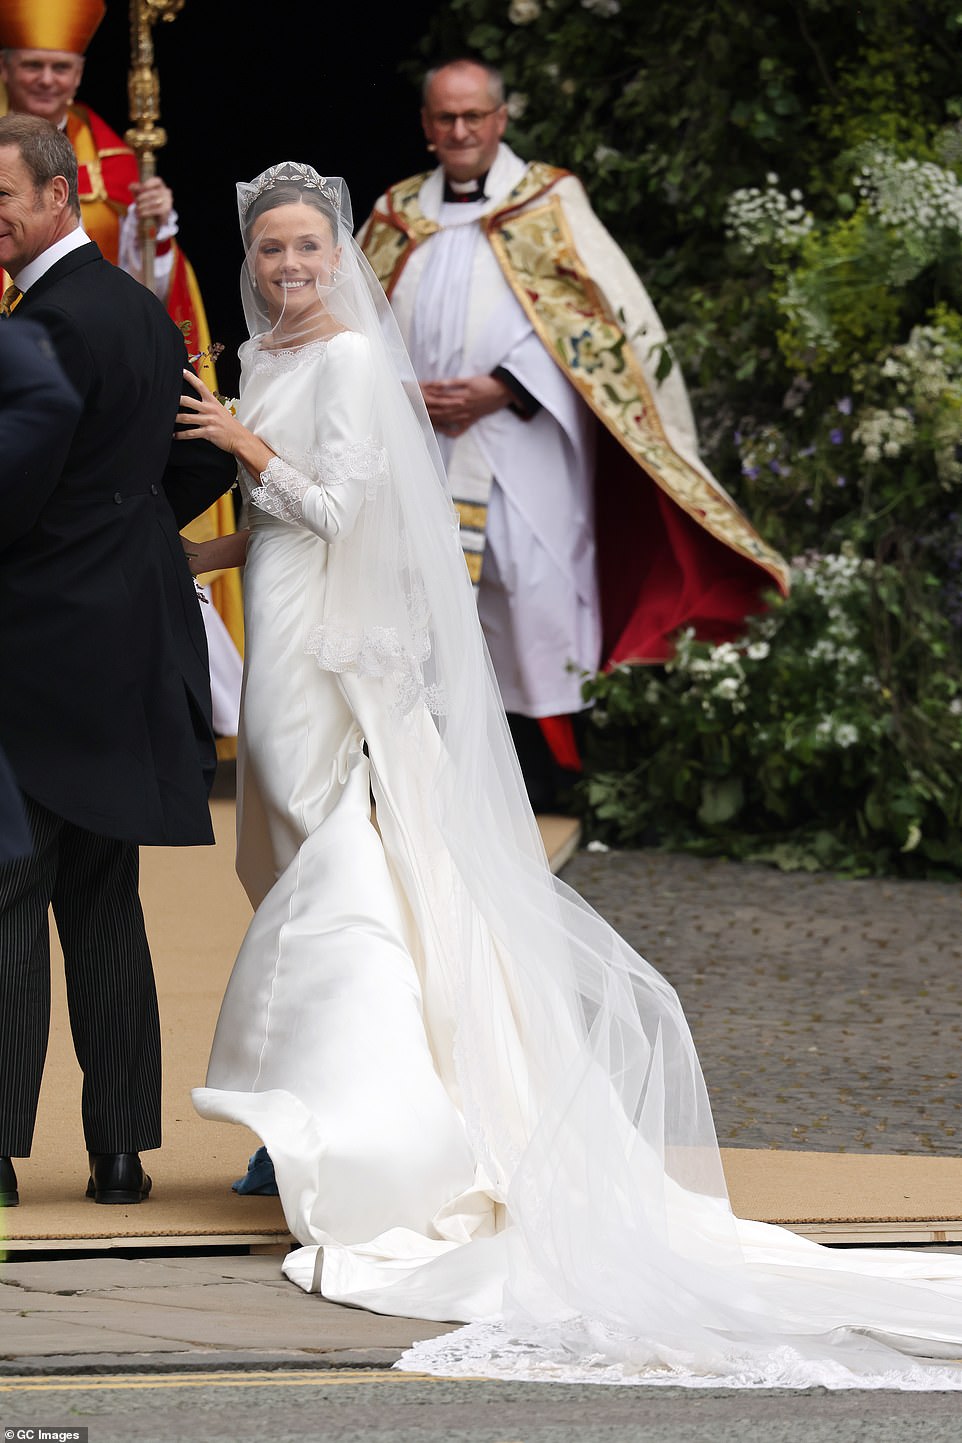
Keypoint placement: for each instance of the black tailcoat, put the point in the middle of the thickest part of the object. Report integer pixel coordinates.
(104, 683)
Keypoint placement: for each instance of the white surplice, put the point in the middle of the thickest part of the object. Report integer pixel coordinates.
(226, 670)
(538, 597)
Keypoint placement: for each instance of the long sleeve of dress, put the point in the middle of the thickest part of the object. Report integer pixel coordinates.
(325, 487)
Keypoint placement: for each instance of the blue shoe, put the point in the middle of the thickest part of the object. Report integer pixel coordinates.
(259, 1177)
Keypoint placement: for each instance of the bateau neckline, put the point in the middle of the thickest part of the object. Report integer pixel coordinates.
(296, 350)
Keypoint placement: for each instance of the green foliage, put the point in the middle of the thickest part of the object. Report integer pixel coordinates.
(830, 736)
(786, 179)
(664, 110)
(837, 301)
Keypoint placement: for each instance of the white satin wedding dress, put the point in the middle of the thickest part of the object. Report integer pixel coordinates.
(376, 1037)
(321, 1046)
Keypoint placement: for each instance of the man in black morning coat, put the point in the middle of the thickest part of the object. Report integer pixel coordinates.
(104, 691)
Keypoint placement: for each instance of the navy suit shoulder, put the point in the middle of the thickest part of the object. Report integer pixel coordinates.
(39, 410)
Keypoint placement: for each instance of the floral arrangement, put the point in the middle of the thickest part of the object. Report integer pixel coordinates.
(807, 744)
(838, 744)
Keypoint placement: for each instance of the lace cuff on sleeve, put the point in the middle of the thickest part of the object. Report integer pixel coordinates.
(282, 490)
(283, 486)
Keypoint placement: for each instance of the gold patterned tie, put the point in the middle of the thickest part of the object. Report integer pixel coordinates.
(10, 300)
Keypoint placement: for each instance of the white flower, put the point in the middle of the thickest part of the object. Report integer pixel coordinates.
(517, 104)
(840, 734)
(757, 651)
(914, 197)
(955, 706)
(605, 8)
(758, 219)
(727, 688)
(523, 12)
(925, 372)
(884, 432)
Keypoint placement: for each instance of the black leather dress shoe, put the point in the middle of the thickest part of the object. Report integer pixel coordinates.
(117, 1177)
(9, 1197)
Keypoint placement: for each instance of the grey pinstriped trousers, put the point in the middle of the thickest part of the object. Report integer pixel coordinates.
(91, 882)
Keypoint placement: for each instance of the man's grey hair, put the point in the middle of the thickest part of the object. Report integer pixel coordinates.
(495, 80)
(44, 150)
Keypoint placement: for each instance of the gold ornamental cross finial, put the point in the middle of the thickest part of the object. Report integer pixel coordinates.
(145, 136)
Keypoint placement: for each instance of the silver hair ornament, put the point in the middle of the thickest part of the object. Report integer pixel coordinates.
(291, 172)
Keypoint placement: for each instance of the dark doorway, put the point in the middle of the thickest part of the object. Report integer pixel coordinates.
(243, 85)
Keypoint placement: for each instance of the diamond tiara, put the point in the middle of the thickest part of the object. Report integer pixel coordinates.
(291, 172)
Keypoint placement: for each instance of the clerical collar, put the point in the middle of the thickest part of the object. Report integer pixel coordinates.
(462, 192)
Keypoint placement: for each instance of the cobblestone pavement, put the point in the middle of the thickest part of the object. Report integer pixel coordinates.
(827, 1012)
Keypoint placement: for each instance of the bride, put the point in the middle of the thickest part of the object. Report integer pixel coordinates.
(481, 1105)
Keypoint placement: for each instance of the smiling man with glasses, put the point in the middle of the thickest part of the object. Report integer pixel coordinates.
(591, 527)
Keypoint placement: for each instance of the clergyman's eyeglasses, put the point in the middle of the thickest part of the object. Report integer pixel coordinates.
(473, 119)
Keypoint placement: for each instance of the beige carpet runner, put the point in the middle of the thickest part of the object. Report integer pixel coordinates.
(196, 918)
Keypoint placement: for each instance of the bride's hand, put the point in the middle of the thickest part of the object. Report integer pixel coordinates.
(207, 417)
(196, 553)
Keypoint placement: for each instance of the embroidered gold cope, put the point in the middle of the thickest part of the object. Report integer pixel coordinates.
(532, 241)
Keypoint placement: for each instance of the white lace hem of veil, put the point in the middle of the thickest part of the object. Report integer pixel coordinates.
(381, 651)
(582, 1351)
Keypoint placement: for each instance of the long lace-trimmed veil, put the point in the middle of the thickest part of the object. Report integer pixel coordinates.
(589, 1112)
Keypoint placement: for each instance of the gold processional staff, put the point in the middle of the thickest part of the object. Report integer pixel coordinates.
(145, 137)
